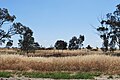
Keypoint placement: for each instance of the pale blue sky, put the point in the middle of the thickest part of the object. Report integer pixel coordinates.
(52, 20)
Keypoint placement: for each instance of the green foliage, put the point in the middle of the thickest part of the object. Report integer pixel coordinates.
(5, 74)
(52, 75)
(83, 76)
(60, 75)
(56, 75)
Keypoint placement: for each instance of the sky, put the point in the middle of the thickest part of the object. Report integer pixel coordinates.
(53, 20)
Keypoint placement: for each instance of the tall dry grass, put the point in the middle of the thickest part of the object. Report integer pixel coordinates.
(87, 63)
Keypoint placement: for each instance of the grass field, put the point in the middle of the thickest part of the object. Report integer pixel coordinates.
(49, 53)
(79, 61)
(87, 63)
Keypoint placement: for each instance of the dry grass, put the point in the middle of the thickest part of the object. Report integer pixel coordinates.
(62, 53)
(87, 63)
(57, 53)
(49, 53)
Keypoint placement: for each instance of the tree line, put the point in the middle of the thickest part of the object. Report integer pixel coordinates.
(109, 32)
(26, 39)
(74, 43)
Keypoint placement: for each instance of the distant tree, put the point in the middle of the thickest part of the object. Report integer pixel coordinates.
(73, 43)
(76, 43)
(110, 30)
(80, 41)
(5, 35)
(89, 47)
(61, 45)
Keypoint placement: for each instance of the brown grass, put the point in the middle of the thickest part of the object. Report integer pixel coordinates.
(87, 63)
(57, 53)
(62, 53)
(49, 53)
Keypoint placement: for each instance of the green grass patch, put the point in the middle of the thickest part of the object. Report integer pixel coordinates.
(52, 75)
(5, 74)
(60, 75)
(83, 76)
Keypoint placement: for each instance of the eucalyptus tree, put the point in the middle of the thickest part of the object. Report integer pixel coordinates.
(73, 43)
(76, 43)
(110, 29)
(80, 41)
(26, 41)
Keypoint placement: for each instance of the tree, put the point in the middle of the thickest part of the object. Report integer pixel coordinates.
(5, 17)
(76, 43)
(61, 45)
(104, 36)
(110, 29)
(73, 43)
(80, 41)
(26, 42)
